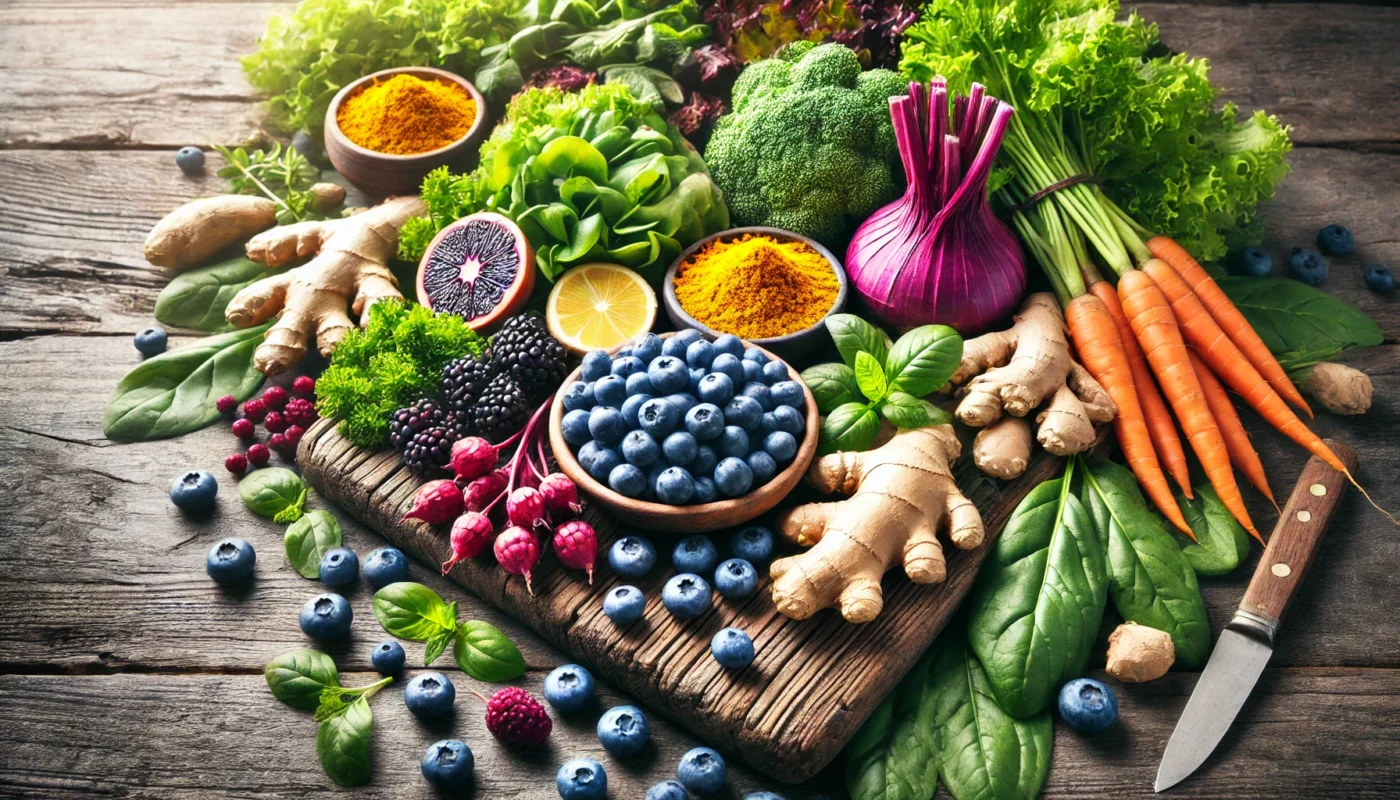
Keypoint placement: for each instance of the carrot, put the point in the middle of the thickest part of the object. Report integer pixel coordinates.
(1159, 419)
(1101, 350)
(1242, 452)
(1223, 311)
(1156, 330)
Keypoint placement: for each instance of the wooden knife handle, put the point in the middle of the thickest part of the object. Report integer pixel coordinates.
(1296, 538)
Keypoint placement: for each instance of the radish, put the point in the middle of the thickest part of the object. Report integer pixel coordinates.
(470, 534)
(525, 507)
(560, 495)
(576, 544)
(517, 551)
(436, 503)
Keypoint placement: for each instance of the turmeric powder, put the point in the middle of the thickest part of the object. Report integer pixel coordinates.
(406, 115)
(757, 287)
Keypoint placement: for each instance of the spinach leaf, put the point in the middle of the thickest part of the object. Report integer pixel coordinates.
(309, 539)
(905, 411)
(645, 83)
(413, 611)
(198, 298)
(852, 426)
(983, 751)
(342, 744)
(923, 359)
(1299, 324)
(832, 385)
(894, 755)
(870, 377)
(176, 392)
(1221, 544)
(1149, 579)
(486, 654)
(274, 492)
(1037, 603)
(298, 677)
(854, 335)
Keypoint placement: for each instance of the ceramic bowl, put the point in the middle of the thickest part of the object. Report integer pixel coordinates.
(382, 174)
(791, 347)
(687, 519)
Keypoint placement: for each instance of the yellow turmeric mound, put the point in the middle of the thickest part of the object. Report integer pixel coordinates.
(405, 115)
(757, 287)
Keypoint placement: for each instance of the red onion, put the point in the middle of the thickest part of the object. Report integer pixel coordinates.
(938, 254)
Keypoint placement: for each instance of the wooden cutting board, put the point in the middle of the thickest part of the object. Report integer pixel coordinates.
(812, 684)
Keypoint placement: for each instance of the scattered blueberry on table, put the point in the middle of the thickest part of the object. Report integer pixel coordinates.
(632, 556)
(1087, 705)
(388, 658)
(695, 554)
(686, 596)
(151, 341)
(190, 160)
(763, 796)
(1335, 240)
(339, 567)
(667, 790)
(429, 695)
(1254, 262)
(194, 491)
(624, 731)
(732, 648)
(230, 561)
(624, 605)
(582, 779)
(385, 565)
(753, 543)
(448, 764)
(1307, 266)
(326, 616)
(702, 771)
(570, 687)
(1380, 278)
(735, 578)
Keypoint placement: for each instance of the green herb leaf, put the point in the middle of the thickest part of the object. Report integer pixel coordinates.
(437, 643)
(923, 359)
(905, 411)
(1300, 325)
(336, 699)
(342, 744)
(870, 377)
(832, 385)
(1221, 543)
(894, 755)
(854, 335)
(274, 492)
(176, 392)
(309, 539)
(850, 427)
(413, 611)
(298, 677)
(486, 654)
(198, 298)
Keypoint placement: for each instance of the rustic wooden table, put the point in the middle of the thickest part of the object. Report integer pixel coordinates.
(125, 672)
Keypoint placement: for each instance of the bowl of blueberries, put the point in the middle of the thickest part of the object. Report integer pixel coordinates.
(680, 433)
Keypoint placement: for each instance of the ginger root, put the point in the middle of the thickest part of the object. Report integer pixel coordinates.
(1003, 449)
(196, 231)
(350, 269)
(901, 494)
(1015, 371)
(1137, 653)
(1340, 389)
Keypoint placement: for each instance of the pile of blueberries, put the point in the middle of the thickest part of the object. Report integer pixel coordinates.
(684, 420)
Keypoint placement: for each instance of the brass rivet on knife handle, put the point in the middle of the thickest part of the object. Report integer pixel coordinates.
(1296, 538)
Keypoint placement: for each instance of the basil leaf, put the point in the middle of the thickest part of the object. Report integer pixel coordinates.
(1150, 581)
(870, 377)
(198, 298)
(923, 359)
(854, 335)
(850, 427)
(298, 677)
(894, 755)
(486, 654)
(309, 539)
(832, 385)
(342, 744)
(176, 392)
(274, 492)
(1038, 601)
(438, 642)
(983, 751)
(1299, 324)
(413, 611)
(1221, 544)
(905, 411)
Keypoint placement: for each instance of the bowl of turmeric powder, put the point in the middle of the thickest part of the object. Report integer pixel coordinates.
(387, 130)
(768, 286)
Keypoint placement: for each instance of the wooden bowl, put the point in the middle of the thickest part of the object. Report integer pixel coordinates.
(687, 519)
(792, 346)
(382, 174)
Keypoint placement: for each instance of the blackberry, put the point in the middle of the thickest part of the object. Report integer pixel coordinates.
(463, 380)
(502, 408)
(423, 414)
(525, 350)
(428, 453)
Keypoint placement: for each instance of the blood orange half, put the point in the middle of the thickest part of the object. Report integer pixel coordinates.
(480, 268)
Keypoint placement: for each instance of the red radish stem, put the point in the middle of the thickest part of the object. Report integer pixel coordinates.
(436, 503)
(576, 544)
(470, 534)
(517, 551)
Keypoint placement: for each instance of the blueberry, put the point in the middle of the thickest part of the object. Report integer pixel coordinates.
(787, 393)
(151, 341)
(674, 347)
(606, 423)
(697, 374)
(730, 366)
(605, 460)
(596, 364)
(729, 344)
(688, 337)
(659, 417)
(624, 731)
(339, 567)
(732, 648)
(230, 561)
(575, 427)
(784, 418)
(639, 448)
(429, 695)
(736, 578)
(705, 422)
(753, 372)
(716, 388)
(668, 374)
(744, 412)
(194, 491)
(763, 466)
(683, 401)
(705, 460)
(630, 407)
(624, 605)
(702, 771)
(733, 477)
(753, 544)
(1087, 705)
(1307, 266)
(1255, 262)
(700, 355)
(326, 616)
(588, 454)
(755, 355)
(639, 383)
(775, 372)
(667, 790)
(384, 566)
(388, 658)
(686, 596)
(626, 365)
(632, 556)
(569, 688)
(1380, 278)
(680, 448)
(581, 779)
(190, 160)
(648, 348)
(447, 764)
(781, 445)
(695, 554)
(733, 443)
(627, 480)
(763, 796)
(610, 390)
(579, 395)
(1334, 240)
(675, 486)
(705, 491)
(760, 393)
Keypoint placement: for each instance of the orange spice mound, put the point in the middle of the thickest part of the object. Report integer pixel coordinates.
(756, 287)
(406, 115)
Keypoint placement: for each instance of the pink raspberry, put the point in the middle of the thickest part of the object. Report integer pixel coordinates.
(254, 409)
(275, 422)
(226, 404)
(243, 428)
(258, 455)
(517, 719)
(304, 385)
(274, 396)
(299, 411)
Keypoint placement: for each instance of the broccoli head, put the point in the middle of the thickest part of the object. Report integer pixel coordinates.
(809, 146)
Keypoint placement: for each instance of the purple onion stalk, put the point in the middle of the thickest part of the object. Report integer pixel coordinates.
(938, 255)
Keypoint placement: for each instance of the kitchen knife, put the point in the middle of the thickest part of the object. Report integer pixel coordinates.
(1247, 642)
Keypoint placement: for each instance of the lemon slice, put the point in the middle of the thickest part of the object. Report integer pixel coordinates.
(599, 306)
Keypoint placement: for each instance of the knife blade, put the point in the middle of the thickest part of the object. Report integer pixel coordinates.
(1247, 642)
